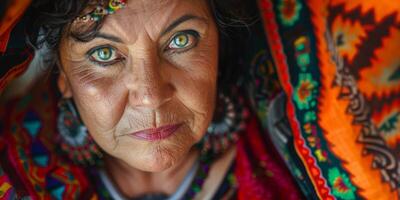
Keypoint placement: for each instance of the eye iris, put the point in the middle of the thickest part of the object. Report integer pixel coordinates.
(104, 53)
(181, 40)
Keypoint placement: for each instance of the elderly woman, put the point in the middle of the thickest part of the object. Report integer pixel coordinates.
(146, 108)
(173, 99)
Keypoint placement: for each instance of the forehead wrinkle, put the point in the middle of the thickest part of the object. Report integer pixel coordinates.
(121, 29)
(146, 5)
(137, 16)
(135, 7)
(144, 18)
(157, 24)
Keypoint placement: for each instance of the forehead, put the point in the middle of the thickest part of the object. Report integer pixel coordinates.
(146, 6)
(152, 15)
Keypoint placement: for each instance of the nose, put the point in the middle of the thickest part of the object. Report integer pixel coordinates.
(148, 86)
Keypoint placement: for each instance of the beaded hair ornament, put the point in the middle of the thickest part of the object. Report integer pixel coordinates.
(100, 11)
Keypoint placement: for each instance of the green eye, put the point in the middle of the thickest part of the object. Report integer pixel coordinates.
(103, 55)
(184, 40)
(181, 40)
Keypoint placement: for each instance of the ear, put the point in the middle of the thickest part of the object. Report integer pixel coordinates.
(64, 86)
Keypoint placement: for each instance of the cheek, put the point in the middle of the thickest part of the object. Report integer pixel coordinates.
(196, 94)
(197, 87)
(101, 104)
(199, 99)
(196, 90)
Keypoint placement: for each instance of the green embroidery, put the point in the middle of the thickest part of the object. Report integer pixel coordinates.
(303, 60)
(390, 124)
(341, 185)
(321, 156)
(302, 52)
(289, 11)
(310, 116)
(304, 90)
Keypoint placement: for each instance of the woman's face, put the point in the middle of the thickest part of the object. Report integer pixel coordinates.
(145, 85)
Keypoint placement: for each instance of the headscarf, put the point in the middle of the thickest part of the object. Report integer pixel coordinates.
(337, 63)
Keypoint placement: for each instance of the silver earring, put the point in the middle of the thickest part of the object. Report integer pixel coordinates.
(228, 122)
(75, 140)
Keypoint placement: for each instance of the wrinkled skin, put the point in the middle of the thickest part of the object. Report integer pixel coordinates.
(147, 82)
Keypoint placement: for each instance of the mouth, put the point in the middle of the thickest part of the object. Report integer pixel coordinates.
(154, 134)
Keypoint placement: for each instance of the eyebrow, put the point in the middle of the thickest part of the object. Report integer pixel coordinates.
(173, 25)
(180, 20)
(108, 37)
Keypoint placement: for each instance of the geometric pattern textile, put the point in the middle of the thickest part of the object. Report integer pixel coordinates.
(338, 63)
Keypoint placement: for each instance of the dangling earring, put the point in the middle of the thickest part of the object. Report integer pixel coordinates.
(75, 140)
(228, 121)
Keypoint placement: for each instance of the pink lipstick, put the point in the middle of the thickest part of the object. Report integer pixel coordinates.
(154, 134)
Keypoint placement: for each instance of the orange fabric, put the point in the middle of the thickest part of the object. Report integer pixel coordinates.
(14, 11)
(338, 63)
(282, 66)
(339, 131)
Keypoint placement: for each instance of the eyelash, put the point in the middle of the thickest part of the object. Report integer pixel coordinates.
(90, 56)
(190, 36)
(190, 33)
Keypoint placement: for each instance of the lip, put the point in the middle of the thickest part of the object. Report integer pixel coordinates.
(154, 134)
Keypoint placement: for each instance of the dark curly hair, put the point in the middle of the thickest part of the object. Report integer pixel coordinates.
(233, 18)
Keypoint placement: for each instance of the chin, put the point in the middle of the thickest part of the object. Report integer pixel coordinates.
(155, 156)
(159, 159)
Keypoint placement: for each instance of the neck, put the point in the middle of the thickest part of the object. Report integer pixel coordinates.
(132, 182)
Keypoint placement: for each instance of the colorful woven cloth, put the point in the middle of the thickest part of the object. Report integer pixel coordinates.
(31, 166)
(15, 54)
(338, 62)
(333, 64)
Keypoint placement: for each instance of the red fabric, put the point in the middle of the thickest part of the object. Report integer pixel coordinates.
(12, 17)
(260, 172)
